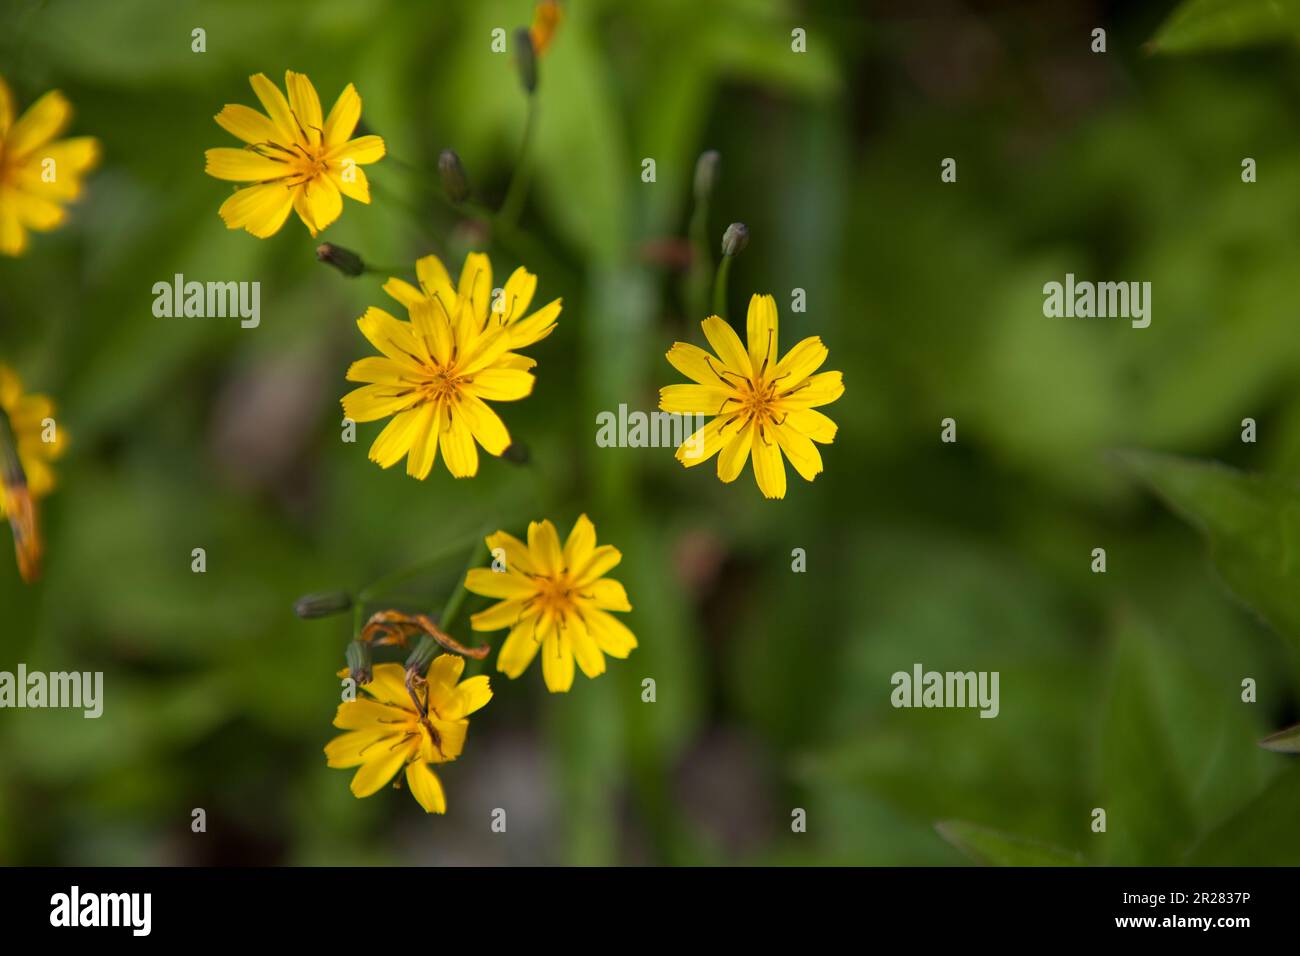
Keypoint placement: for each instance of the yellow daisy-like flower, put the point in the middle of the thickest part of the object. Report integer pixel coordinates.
(25, 472)
(38, 173)
(389, 730)
(295, 158)
(760, 405)
(439, 370)
(556, 599)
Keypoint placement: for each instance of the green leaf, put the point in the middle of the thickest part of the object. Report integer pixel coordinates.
(1284, 741)
(1265, 833)
(1200, 25)
(994, 848)
(1145, 794)
(1252, 523)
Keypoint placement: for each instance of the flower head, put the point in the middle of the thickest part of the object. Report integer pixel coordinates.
(38, 173)
(556, 599)
(439, 370)
(295, 159)
(397, 726)
(759, 404)
(25, 473)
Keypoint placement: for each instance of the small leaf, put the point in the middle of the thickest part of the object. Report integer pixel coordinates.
(1200, 25)
(994, 848)
(1284, 741)
(1252, 523)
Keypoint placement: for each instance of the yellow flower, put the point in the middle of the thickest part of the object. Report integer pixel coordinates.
(554, 599)
(388, 730)
(760, 404)
(37, 173)
(295, 159)
(25, 473)
(438, 369)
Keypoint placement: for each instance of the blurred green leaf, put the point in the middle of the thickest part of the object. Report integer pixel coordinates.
(994, 848)
(1145, 796)
(1252, 523)
(1199, 25)
(1265, 833)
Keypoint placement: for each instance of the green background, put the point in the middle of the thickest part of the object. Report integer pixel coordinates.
(1119, 690)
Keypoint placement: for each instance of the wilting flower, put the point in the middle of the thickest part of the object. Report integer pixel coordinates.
(760, 404)
(394, 727)
(38, 173)
(556, 599)
(439, 370)
(295, 159)
(25, 472)
(546, 20)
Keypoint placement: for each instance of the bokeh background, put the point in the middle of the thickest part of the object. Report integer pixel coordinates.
(1119, 690)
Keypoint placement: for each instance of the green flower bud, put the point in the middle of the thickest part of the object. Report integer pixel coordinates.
(706, 174)
(322, 605)
(345, 260)
(454, 180)
(735, 239)
(526, 59)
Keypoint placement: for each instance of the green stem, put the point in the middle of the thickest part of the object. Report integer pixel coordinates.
(389, 581)
(720, 288)
(427, 647)
(518, 188)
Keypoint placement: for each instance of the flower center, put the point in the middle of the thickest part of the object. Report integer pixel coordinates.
(758, 400)
(443, 385)
(556, 594)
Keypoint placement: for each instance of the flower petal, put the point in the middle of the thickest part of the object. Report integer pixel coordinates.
(607, 594)
(803, 454)
(277, 107)
(611, 634)
(305, 105)
(485, 425)
(501, 384)
(261, 210)
(810, 422)
(801, 361)
(458, 448)
(44, 120)
(726, 344)
(735, 453)
(585, 650)
(820, 389)
(697, 365)
(519, 649)
(246, 123)
(769, 467)
(702, 445)
(557, 662)
(426, 787)
(243, 165)
(343, 117)
(695, 399)
(498, 584)
(544, 546)
(376, 772)
(580, 544)
(761, 332)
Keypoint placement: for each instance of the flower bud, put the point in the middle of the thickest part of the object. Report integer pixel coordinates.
(345, 260)
(526, 59)
(322, 605)
(735, 239)
(454, 180)
(359, 665)
(516, 453)
(706, 174)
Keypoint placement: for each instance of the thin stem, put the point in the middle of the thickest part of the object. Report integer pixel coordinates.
(701, 261)
(720, 287)
(518, 187)
(389, 581)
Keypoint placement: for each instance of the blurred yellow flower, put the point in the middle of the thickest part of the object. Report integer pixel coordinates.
(38, 173)
(439, 370)
(26, 421)
(389, 729)
(556, 599)
(772, 405)
(295, 159)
